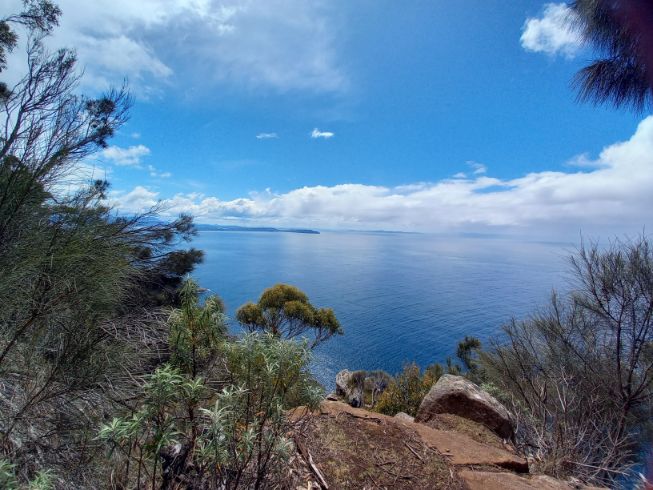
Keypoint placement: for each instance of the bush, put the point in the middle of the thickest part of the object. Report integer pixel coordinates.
(579, 373)
(407, 389)
(236, 437)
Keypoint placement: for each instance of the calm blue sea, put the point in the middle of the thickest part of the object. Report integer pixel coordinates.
(399, 297)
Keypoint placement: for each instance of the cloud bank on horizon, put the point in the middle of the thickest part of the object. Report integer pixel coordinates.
(611, 192)
(283, 46)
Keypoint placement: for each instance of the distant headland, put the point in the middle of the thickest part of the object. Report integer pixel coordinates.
(206, 227)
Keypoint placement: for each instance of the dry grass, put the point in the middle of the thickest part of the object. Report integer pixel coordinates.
(355, 453)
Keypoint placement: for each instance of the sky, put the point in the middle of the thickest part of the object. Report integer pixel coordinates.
(426, 116)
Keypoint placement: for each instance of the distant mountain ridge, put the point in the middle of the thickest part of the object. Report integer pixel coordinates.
(207, 227)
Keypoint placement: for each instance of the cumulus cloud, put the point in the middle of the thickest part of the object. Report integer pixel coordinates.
(275, 44)
(138, 200)
(615, 193)
(267, 136)
(125, 157)
(316, 134)
(552, 33)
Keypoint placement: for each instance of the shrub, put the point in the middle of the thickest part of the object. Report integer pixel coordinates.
(579, 374)
(406, 391)
(237, 440)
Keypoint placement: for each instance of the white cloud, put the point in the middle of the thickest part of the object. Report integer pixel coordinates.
(126, 157)
(614, 195)
(553, 33)
(316, 133)
(273, 44)
(156, 174)
(79, 177)
(137, 200)
(266, 136)
(131, 157)
(477, 168)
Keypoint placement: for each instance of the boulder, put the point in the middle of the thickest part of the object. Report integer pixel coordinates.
(349, 391)
(459, 396)
(404, 417)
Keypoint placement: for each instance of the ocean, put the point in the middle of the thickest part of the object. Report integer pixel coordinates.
(399, 297)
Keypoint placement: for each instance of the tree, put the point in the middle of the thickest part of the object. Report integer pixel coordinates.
(285, 311)
(467, 351)
(70, 266)
(621, 31)
(579, 374)
(39, 16)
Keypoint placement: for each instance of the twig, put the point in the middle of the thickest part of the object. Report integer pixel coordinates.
(413, 451)
(385, 463)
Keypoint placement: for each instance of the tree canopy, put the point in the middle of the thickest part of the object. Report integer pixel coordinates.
(285, 311)
(74, 273)
(620, 30)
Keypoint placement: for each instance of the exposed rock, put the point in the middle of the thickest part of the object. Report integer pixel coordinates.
(459, 449)
(486, 480)
(356, 448)
(462, 450)
(332, 397)
(478, 432)
(351, 392)
(459, 396)
(404, 417)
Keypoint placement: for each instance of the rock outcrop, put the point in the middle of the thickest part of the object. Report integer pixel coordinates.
(355, 448)
(488, 480)
(459, 396)
(348, 390)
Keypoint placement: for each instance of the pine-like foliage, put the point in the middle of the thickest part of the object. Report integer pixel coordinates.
(620, 30)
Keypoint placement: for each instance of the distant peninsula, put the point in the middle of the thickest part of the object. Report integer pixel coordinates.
(206, 227)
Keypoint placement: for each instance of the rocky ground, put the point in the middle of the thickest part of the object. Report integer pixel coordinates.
(342, 447)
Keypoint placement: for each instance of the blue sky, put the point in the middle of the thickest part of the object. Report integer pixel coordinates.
(423, 115)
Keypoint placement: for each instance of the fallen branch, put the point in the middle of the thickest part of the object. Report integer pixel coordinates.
(309, 461)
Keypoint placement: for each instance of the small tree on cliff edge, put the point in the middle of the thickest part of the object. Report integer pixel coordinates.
(286, 312)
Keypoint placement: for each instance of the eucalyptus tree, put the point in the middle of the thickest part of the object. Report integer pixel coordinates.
(285, 312)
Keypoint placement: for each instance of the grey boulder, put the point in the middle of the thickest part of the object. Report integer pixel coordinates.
(459, 396)
(351, 392)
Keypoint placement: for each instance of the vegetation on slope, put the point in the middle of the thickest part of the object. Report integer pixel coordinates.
(115, 372)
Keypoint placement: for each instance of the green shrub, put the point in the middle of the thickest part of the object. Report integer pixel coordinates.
(233, 438)
(406, 391)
